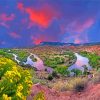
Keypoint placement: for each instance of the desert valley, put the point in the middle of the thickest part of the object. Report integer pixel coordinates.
(51, 72)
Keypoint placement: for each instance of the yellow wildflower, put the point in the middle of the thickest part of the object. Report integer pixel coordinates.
(23, 97)
(14, 68)
(19, 94)
(20, 87)
(8, 73)
(11, 80)
(5, 97)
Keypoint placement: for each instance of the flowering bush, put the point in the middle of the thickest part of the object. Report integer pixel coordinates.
(39, 96)
(15, 82)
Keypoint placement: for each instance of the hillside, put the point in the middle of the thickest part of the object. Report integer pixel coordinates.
(92, 92)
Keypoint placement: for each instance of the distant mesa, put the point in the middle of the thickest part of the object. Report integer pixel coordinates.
(67, 44)
(55, 43)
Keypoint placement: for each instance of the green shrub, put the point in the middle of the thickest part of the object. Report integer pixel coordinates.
(50, 77)
(50, 63)
(62, 70)
(77, 72)
(53, 62)
(59, 60)
(94, 59)
(54, 74)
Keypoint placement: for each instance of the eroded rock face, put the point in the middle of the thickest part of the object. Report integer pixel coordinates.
(50, 94)
(91, 93)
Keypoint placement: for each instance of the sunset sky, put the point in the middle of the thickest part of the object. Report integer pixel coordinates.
(29, 22)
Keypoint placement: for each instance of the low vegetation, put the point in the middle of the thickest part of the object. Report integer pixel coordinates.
(77, 72)
(67, 58)
(22, 54)
(62, 70)
(94, 59)
(3, 52)
(76, 84)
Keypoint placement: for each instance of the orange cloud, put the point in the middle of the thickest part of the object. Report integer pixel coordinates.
(42, 17)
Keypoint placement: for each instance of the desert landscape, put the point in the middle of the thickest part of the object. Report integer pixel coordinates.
(56, 72)
(49, 49)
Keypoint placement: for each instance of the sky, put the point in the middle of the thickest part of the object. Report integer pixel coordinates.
(25, 23)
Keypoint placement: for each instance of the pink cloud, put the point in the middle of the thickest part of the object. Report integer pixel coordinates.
(14, 35)
(20, 6)
(78, 26)
(77, 41)
(4, 24)
(77, 30)
(76, 38)
(4, 17)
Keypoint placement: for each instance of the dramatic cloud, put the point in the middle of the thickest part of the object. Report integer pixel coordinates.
(34, 21)
(42, 17)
